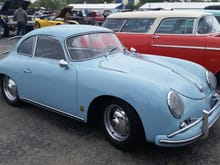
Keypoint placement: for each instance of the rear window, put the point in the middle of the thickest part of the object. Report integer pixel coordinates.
(114, 24)
(138, 25)
(134, 25)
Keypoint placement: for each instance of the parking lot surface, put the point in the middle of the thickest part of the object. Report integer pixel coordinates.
(32, 135)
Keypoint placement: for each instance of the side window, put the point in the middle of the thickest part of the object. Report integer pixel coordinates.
(49, 47)
(176, 26)
(26, 47)
(138, 25)
(204, 27)
(208, 24)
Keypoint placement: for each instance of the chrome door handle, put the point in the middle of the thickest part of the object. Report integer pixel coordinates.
(27, 71)
(155, 37)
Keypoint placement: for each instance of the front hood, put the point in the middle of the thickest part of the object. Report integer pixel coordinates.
(179, 75)
(10, 6)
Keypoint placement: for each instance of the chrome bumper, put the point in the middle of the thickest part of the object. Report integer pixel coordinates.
(188, 134)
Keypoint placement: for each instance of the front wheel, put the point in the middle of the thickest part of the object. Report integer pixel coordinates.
(121, 124)
(9, 91)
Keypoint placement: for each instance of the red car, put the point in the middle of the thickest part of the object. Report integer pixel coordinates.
(183, 34)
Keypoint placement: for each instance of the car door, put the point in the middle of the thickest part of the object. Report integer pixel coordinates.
(46, 82)
(176, 37)
(212, 52)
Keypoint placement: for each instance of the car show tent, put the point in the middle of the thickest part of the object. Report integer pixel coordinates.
(97, 6)
(178, 5)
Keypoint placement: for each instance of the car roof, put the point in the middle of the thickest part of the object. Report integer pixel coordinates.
(158, 14)
(214, 12)
(63, 31)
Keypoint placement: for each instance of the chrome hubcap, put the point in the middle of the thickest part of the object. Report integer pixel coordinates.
(10, 88)
(116, 122)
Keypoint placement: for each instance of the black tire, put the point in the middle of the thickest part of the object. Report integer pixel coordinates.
(6, 32)
(121, 124)
(218, 82)
(9, 91)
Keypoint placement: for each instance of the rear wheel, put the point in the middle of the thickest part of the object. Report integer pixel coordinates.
(121, 124)
(9, 91)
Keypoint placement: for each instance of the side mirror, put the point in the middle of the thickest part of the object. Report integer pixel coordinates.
(63, 63)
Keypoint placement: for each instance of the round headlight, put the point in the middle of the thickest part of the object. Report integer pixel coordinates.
(211, 80)
(175, 104)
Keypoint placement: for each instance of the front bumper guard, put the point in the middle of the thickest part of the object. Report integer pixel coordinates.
(188, 134)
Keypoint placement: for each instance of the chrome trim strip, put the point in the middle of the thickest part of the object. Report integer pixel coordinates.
(197, 121)
(211, 48)
(180, 141)
(187, 47)
(52, 109)
(199, 87)
(179, 46)
(15, 37)
(185, 128)
(205, 123)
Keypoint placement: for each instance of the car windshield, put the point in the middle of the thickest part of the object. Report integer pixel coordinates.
(93, 45)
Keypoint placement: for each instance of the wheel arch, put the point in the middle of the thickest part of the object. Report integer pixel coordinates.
(95, 109)
(1, 77)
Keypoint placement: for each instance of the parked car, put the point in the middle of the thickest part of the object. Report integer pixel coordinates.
(184, 34)
(29, 26)
(84, 72)
(99, 19)
(50, 20)
(81, 16)
(7, 11)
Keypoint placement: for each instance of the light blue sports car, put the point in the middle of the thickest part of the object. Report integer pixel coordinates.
(84, 72)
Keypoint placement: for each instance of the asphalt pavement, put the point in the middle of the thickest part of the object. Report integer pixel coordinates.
(30, 135)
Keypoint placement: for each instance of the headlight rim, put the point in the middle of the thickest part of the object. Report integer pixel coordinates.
(171, 96)
(211, 80)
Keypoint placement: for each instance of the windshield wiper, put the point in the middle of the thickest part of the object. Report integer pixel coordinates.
(111, 49)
